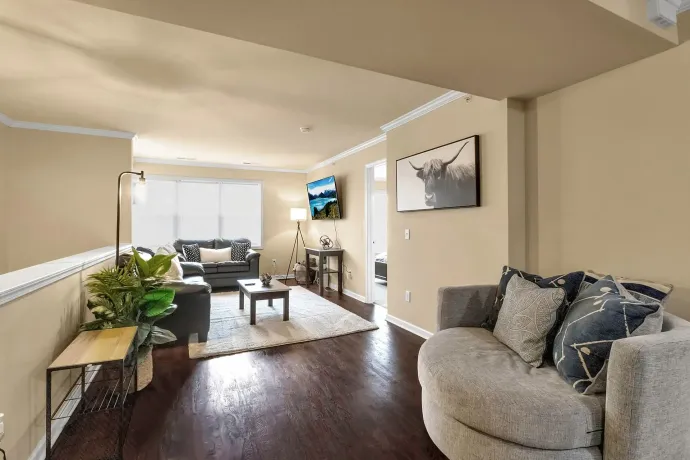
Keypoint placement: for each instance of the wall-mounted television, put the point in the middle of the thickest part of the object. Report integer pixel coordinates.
(323, 199)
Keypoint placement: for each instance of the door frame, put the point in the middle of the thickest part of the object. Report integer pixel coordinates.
(369, 189)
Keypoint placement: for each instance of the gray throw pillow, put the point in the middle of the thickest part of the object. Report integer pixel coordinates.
(528, 313)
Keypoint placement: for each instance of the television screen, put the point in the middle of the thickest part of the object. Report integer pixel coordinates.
(323, 199)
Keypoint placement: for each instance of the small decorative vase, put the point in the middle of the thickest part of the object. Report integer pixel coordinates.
(145, 370)
(265, 279)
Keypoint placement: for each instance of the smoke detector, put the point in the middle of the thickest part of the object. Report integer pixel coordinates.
(663, 13)
(305, 129)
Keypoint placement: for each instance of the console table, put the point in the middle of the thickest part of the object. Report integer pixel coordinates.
(323, 267)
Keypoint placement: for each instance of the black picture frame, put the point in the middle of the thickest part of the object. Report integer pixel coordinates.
(477, 177)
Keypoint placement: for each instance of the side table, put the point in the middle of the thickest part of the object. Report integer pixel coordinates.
(323, 268)
(96, 353)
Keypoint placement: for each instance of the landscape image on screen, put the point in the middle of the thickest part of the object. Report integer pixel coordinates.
(323, 199)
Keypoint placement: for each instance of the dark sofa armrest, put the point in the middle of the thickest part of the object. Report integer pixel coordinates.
(192, 269)
(465, 306)
(253, 259)
(193, 285)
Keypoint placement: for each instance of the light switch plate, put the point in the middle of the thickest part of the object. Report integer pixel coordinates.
(407, 233)
(408, 295)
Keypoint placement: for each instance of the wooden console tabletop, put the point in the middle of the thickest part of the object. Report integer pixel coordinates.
(96, 347)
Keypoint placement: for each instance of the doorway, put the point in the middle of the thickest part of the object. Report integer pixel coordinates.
(376, 196)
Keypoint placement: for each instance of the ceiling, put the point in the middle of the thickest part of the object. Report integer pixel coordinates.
(188, 93)
(496, 49)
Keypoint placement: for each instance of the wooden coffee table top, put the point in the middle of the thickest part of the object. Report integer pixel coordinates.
(257, 288)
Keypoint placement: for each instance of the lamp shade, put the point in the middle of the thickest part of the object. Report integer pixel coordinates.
(298, 214)
(140, 191)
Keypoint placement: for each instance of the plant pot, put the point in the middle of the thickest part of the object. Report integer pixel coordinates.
(145, 370)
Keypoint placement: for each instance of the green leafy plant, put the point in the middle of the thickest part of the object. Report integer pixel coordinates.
(133, 295)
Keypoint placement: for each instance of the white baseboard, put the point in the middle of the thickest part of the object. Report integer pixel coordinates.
(354, 295)
(349, 293)
(66, 411)
(416, 330)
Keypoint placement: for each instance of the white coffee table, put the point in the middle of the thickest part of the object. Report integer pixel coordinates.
(256, 291)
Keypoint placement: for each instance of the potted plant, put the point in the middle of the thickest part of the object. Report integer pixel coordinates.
(134, 295)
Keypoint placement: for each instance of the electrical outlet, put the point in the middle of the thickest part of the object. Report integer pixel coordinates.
(407, 233)
(408, 296)
(349, 274)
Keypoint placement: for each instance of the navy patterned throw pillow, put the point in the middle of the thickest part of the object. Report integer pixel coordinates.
(570, 282)
(191, 252)
(602, 313)
(239, 251)
(646, 291)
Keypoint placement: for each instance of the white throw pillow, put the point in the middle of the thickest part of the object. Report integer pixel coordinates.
(215, 255)
(175, 273)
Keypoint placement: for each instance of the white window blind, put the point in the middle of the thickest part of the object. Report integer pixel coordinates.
(197, 209)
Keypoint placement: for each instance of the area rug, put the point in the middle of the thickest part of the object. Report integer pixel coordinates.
(311, 318)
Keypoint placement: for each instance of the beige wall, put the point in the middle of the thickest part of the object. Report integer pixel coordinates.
(457, 246)
(684, 27)
(34, 330)
(281, 191)
(61, 191)
(4, 222)
(612, 163)
(350, 178)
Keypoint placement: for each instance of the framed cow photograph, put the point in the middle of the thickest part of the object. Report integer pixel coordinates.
(440, 178)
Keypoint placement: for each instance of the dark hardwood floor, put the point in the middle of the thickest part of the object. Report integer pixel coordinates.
(350, 397)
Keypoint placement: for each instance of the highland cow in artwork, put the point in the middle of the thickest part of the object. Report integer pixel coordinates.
(443, 177)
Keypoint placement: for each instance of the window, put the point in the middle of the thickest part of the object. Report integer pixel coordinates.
(197, 209)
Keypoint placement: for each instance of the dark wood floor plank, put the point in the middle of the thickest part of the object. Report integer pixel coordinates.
(349, 397)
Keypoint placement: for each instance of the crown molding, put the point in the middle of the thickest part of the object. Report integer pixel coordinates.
(423, 110)
(201, 164)
(357, 148)
(7, 121)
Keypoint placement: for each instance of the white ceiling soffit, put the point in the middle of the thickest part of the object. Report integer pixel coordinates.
(7, 121)
(495, 49)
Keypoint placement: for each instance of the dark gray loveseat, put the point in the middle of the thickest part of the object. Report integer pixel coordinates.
(225, 274)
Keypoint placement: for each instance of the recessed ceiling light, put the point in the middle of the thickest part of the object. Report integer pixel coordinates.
(305, 129)
(246, 162)
(187, 158)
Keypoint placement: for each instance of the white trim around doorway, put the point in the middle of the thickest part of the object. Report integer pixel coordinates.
(369, 188)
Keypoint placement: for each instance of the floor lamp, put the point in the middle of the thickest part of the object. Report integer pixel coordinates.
(296, 215)
(140, 191)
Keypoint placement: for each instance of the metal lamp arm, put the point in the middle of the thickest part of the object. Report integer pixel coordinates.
(119, 203)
